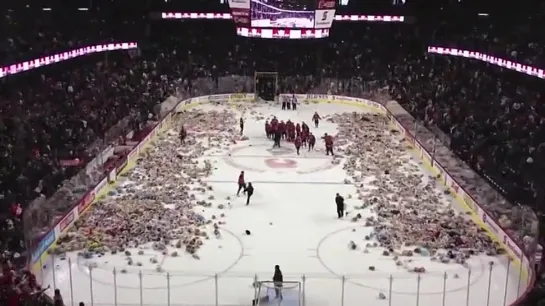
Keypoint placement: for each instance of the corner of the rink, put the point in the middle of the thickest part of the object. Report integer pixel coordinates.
(38, 267)
(474, 217)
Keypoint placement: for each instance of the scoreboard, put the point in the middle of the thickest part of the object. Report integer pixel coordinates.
(283, 16)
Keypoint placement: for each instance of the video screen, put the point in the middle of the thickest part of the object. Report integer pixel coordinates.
(283, 13)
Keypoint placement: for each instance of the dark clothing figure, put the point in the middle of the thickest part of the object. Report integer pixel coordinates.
(240, 187)
(284, 104)
(294, 105)
(249, 191)
(57, 298)
(288, 105)
(277, 138)
(241, 126)
(340, 205)
(278, 279)
(183, 135)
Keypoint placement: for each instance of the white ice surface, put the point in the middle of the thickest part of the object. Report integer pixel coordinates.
(293, 223)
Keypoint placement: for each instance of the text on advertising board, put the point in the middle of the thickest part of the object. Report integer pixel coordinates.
(67, 221)
(491, 224)
(86, 201)
(325, 97)
(515, 249)
(326, 4)
(470, 203)
(454, 187)
(44, 245)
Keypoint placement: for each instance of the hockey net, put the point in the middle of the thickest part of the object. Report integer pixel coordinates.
(287, 293)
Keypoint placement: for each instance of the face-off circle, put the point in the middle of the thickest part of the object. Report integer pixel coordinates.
(263, 158)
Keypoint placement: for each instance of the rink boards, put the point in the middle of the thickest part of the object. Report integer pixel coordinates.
(40, 255)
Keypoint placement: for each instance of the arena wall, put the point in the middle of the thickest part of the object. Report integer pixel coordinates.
(39, 256)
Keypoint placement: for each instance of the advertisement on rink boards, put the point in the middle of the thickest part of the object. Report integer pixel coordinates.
(67, 221)
(46, 242)
(500, 234)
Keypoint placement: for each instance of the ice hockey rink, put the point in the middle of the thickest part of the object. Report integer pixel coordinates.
(293, 224)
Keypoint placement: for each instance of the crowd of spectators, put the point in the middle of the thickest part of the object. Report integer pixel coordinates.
(28, 33)
(492, 118)
(516, 36)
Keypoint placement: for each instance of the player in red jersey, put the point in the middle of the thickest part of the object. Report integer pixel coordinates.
(316, 118)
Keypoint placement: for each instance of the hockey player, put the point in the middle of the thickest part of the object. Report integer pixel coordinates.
(311, 142)
(241, 123)
(268, 129)
(294, 103)
(241, 183)
(304, 127)
(289, 126)
(183, 135)
(339, 201)
(282, 129)
(277, 137)
(284, 102)
(316, 118)
(298, 144)
(328, 144)
(297, 130)
(288, 103)
(278, 279)
(304, 138)
(249, 191)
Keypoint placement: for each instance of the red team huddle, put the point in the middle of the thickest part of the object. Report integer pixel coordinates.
(297, 133)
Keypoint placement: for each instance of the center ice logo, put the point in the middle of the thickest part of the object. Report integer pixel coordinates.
(280, 163)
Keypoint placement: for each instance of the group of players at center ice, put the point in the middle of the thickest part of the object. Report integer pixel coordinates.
(297, 133)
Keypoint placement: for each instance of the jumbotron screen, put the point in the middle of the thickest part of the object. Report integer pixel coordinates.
(283, 14)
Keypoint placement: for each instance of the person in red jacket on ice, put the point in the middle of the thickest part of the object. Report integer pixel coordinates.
(282, 129)
(274, 121)
(316, 118)
(328, 144)
(304, 127)
(241, 182)
(290, 130)
(311, 142)
(297, 130)
(298, 144)
(304, 138)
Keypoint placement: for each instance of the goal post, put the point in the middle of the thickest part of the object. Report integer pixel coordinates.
(265, 85)
(288, 293)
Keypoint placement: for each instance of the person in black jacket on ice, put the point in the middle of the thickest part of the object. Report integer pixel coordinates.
(278, 279)
(340, 205)
(249, 191)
